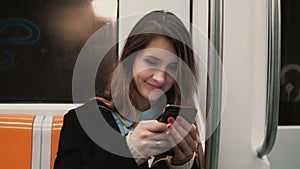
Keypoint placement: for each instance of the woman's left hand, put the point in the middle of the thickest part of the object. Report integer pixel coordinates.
(184, 139)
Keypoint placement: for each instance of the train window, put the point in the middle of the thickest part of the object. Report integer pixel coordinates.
(290, 72)
(39, 44)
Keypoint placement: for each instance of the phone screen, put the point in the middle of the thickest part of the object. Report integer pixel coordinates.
(189, 113)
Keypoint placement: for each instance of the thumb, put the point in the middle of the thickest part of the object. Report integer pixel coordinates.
(155, 126)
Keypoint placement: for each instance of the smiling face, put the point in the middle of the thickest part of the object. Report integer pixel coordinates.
(153, 69)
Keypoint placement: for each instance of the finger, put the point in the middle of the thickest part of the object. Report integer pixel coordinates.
(192, 143)
(173, 144)
(191, 128)
(148, 129)
(180, 157)
(148, 147)
(179, 140)
(194, 134)
(160, 147)
(158, 137)
(158, 144)
(184, 128)
(171, 120)
(154, 125)
(184, 123)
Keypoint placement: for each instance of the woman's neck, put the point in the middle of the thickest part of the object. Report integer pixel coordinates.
(140, 103)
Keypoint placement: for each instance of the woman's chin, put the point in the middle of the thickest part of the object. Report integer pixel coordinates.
(155, 95)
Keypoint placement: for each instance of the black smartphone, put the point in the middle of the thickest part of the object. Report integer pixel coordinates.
(188, 113)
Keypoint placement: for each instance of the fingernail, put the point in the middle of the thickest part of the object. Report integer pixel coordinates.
(179, 118)
(169, 126)
(171, 120)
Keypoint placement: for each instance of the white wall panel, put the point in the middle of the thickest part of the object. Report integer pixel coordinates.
(245, 67)
(286, 151)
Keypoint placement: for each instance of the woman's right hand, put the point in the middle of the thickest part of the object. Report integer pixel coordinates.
(149, 138)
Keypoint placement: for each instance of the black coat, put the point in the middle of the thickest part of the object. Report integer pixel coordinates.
(78, 151)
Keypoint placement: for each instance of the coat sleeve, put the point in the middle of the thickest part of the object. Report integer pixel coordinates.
(77, 151)
(68, 155)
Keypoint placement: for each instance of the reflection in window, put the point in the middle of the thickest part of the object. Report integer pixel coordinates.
(290, 72)
(39, 44)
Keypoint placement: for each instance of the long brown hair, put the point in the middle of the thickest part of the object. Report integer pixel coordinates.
(152, 25)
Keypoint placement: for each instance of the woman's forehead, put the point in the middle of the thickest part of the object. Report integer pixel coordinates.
(159, 55)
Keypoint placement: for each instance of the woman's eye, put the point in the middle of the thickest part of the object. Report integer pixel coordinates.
(173, 67)
(151, 62)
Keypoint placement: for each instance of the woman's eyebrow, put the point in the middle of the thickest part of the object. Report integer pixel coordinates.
(174, 63)
(158, 59)
(152, 57)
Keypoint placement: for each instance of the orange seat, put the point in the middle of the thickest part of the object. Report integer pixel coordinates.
(16, 141)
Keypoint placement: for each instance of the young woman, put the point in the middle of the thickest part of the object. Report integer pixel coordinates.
(157, 67)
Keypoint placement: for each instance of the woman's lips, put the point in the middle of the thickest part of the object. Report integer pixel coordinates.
(155, 86)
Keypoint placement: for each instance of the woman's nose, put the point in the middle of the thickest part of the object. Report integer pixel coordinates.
(159, 76)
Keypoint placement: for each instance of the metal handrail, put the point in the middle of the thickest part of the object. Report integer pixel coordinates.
(273, 81)
(215, 72)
